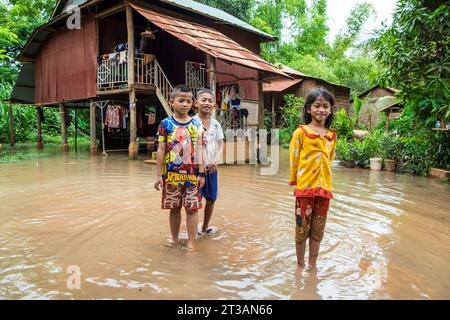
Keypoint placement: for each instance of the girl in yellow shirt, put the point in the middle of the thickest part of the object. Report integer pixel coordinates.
(311, 153)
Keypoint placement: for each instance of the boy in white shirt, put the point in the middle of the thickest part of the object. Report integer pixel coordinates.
(205, 103)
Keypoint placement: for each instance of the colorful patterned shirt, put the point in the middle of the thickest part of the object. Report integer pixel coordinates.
(184, 150)
(311, 156)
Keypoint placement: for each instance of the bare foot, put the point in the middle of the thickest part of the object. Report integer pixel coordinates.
(311, 268)
(190, 245)
(299, 270)
(172, 243)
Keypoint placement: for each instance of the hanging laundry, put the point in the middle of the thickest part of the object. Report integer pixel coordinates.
(112, 117)
(122, 57)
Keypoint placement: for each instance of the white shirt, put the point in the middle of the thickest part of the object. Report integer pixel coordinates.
(213, 135)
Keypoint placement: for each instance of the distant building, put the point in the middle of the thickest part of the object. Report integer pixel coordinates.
(300, 86)
(368, 115)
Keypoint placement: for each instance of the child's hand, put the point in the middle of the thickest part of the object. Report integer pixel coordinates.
(212, 167)
(158, 183)
(201, 181)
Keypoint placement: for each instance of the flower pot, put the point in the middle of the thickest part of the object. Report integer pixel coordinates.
(375, 164)
(390, 165)
(348, 163)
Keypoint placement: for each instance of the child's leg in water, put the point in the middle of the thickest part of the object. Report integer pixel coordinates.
(300, 250)
(175, 222)
(209, 208)
(191, 222)
(314, 247)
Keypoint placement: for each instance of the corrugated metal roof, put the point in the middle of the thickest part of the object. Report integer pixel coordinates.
(385, 103)
(208, 40)
(215, 13)
(189, 5)
(279, 84)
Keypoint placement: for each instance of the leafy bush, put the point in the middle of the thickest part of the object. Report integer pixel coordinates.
(390, 147)
(342, 124)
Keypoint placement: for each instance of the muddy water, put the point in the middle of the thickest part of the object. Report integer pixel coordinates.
(386, 236)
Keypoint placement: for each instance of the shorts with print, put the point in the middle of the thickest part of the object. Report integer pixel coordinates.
(175, 196)
(310, 218)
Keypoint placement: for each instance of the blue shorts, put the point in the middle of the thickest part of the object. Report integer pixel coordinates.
(209, 190)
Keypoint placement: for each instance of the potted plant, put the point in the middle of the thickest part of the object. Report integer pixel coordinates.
(390, 151)
(346, 153)
(151, 115)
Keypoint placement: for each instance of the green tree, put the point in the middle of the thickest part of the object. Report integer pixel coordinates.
(415, 50)
(238, 8)
(18, 19)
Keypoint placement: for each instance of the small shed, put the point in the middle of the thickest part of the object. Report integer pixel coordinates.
(368, 115)
(300, 86)
(391, 107)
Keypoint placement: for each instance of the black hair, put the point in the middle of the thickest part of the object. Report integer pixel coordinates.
(181, 88)
(203, 91)
(312, 96)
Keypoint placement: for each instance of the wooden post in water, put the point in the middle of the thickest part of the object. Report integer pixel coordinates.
(11, 125)
(93, 132)
(132, 148)
(39, 113)
(62, 111)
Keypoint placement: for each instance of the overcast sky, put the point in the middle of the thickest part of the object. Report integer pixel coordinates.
(338, 10)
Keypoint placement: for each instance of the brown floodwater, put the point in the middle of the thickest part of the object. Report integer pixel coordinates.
(387, 235)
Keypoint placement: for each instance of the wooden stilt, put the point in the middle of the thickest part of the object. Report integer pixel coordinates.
(62, 111)
(39, 144)
(260, 101)
(387, 120)
(273, 112)
(132, 148)
(12, 141)
(211, 75)
(93, 132)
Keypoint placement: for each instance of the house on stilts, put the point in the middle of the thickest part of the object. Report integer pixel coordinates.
(124, 58)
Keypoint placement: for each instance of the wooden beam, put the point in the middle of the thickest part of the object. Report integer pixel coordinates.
(92, 125)
(260, 101)
(132, 148)
(11, 125)
(211, 65)
(39, 144)
(273, 111)
(62, 111)
(110, 11)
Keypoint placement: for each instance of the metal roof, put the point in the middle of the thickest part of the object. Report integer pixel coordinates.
(189, 5)
(386, 102)
(208, 40)
(218, 14)
(279, 84)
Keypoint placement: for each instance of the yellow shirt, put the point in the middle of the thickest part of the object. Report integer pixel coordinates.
(311, 156)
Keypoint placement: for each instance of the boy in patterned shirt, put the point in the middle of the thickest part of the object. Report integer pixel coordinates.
(180, 170)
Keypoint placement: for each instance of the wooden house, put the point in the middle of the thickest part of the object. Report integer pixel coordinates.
(300, 86)
(368, 115)
(121, 59)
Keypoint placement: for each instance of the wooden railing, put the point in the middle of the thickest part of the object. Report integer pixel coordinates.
(195, 74)
(230, 119)
(113, 74)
